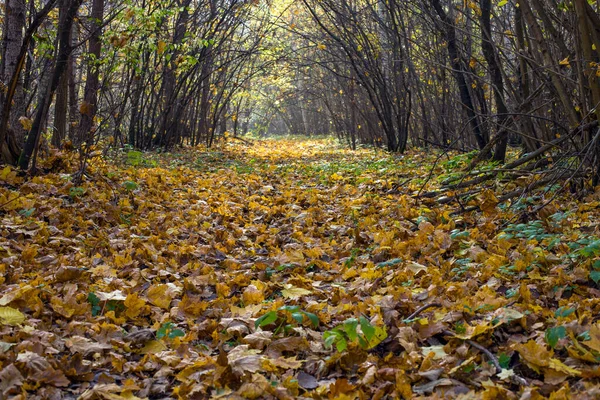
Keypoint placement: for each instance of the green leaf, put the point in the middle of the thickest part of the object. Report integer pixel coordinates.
(329, 338)
(27, 212)
(349, 327)
(595, 276)
(553, 335)
(504, 360)
(313, 318)
(363, 343)
(389, 263)
(341, 344)
(130, 185)
(176, 333)
(291, 309)
(266, 319)
(95, 303)
(564, 312)
(298, 316)
(163, 330)
(367, 329)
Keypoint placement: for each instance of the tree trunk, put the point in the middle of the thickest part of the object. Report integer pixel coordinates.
(493, 61)
(459, 69)
(64, 50)
(12, 39)
(89, 105)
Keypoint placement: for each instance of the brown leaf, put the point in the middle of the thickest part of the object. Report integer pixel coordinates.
(307, 381)
(79, 344)
(243, 360)
(10, 380)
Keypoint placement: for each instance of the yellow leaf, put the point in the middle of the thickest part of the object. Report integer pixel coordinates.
(8, 175)
(438, 352)
(594, 342)
(535, 354)
(134, 305)
(26, 123)
(291, 292)
(153, 347)
(283, 363)
(4, 173)
(161, 47)
(15, 294)
(506, 374)
(560, 367)
(471, 331)
(565, 62)
(115, 295)
(488, 201)
(593, 46)
(415, 267)
(158, 296)
(10, 316)
(252, 295)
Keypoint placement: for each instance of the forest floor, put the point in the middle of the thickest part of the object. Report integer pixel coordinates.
(290, 269)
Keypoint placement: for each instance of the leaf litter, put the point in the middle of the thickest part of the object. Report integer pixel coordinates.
(291, 269)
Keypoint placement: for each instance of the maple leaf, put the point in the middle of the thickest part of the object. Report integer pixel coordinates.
(292, 292)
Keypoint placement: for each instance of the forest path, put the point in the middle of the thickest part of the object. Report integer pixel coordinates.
(281, 269)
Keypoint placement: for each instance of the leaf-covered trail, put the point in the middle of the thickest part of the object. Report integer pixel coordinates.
(288, 269)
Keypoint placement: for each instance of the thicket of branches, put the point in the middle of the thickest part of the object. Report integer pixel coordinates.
(143, 73)
(471, 75)
(466, 75)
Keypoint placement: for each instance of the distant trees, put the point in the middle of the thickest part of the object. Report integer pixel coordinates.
(143, 72)
(467, 75)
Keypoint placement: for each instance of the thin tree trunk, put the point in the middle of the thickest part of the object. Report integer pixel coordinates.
(458, 69)
(493, 61)
(64, 50)
(89, 105)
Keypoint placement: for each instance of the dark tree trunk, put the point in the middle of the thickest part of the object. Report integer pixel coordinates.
(12, 40)
(89, 106)
(459, 70)
(493, 61)
(64, 50)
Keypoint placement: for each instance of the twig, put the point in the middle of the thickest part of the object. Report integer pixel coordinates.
(433, 168)
(10, 201)
(421, 309)
(493, 359)
(479, 347)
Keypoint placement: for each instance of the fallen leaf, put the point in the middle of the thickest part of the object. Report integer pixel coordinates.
(10, 316)
(291, 292)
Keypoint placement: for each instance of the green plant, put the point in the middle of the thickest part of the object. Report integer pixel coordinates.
(347, 332)
(75, 192)
(530, 231)
(463, 266)
(167, 330)
(134, 158)
(595, 272)
(284, 316)
(504, 360)
(554, 334)
(27, 212)
(95, 303)
(130, 186)
(99, 306)
(352, 259)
